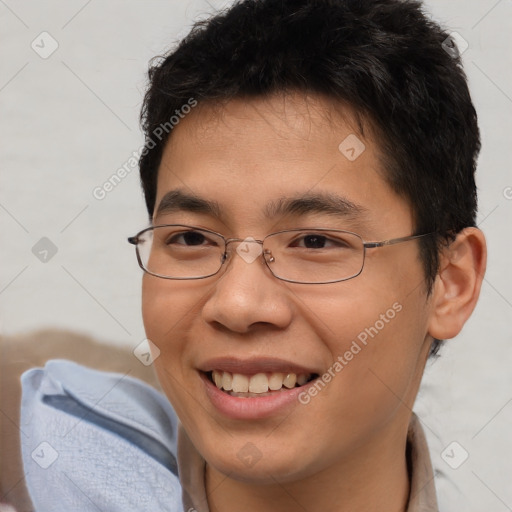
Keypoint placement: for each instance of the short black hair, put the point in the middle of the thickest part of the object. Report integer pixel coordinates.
(386, 59)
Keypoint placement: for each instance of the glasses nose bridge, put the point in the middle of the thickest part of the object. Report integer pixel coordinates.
(247, 240)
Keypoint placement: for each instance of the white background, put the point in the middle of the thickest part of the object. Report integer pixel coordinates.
(68, 122)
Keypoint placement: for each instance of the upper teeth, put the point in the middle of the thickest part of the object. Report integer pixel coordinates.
(259, 383)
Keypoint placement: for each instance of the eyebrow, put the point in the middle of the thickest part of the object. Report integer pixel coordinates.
(177, 200)
(327, 203)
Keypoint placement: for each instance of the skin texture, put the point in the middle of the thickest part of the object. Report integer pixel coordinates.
(345, 449)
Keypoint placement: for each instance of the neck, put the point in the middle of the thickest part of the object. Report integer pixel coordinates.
(370, 479)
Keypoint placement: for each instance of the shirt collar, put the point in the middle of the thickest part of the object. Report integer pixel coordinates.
(422, 497)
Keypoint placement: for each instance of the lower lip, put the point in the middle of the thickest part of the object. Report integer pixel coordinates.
(251, 408)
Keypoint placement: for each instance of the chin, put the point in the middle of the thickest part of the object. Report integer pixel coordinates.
(252, 466)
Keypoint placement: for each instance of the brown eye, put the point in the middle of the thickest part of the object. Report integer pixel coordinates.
(189, 238)
(319, 241)
(315, 241)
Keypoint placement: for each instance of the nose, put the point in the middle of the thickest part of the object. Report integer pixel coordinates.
(247, 295)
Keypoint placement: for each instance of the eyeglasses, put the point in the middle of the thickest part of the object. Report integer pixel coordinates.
(305, 256)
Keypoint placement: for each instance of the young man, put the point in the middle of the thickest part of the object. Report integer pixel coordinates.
(309, 177)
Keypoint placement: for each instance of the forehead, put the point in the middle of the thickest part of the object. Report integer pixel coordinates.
(248, 153)
(278, 120)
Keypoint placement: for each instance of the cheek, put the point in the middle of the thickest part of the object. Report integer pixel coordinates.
(165, 314)
(157, 309)
(375, 341)
(168, 308)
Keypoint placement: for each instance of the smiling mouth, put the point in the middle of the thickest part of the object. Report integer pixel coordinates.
(259, 384)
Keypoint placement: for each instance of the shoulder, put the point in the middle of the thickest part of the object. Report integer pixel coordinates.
(96, 439)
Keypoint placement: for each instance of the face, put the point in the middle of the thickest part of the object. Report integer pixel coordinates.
(363, 341)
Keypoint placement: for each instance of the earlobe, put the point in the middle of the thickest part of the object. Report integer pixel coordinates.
(458, 283)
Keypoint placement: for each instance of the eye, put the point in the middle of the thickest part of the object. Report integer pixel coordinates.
(187, 238)
(315, 241)
(318, 241)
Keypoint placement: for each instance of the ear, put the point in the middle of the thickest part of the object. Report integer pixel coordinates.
(458, 282)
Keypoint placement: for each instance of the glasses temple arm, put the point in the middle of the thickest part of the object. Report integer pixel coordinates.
(371, 245)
